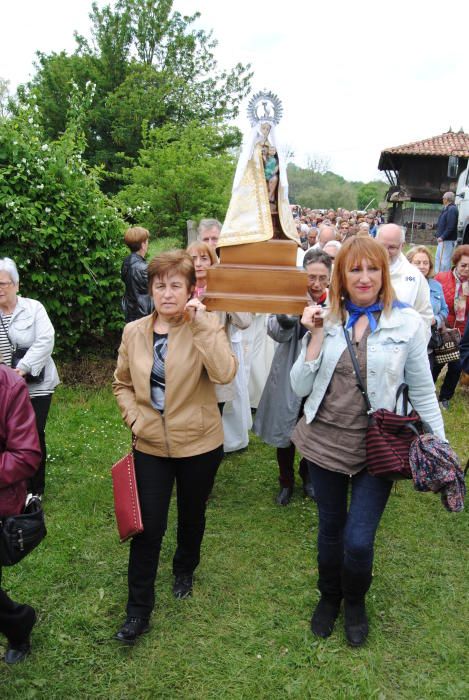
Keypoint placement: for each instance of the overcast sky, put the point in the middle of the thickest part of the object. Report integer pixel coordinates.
(353, 77)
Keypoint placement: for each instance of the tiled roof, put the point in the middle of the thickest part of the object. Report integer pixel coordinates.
(451, 143)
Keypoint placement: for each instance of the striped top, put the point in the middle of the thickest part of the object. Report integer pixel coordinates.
(5, 346)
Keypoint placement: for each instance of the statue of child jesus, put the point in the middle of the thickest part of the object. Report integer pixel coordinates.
(271, 169)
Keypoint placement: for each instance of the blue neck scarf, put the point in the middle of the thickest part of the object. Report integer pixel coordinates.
(357, 311)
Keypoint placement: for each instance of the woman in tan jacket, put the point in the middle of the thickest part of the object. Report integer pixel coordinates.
(164, 384)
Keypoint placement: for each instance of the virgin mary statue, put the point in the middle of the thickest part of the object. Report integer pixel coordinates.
(251, 217)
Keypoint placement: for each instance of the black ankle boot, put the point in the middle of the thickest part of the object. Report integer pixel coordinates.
(182, 587)
(284, 496)
(356, 622)
(131, 630)
(324, 617)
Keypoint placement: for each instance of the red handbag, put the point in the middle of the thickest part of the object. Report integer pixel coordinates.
(389, 435)
(388, 440)
(126, 501)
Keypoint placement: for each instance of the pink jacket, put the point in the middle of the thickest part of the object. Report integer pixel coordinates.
(20, 453)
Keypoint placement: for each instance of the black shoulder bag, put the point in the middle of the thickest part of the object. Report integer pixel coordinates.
(20, 534)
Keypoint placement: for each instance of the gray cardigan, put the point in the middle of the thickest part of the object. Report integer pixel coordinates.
(277, 413)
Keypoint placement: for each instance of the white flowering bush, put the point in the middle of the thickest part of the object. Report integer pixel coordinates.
(65, 236)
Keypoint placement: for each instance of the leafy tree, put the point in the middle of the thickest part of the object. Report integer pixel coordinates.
(4, 95)
(63, 233)
(371, 194)
(183, 173)
(150, 66)
(319, 190)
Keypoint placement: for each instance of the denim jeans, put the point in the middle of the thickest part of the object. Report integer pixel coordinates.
(443, 254)
(155, 476)
(346, 537)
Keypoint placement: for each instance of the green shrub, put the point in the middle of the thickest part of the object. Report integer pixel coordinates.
(65, 236)
(182, 173)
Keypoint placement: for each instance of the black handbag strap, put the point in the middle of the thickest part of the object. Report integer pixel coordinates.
(403, 389)
(356, 368)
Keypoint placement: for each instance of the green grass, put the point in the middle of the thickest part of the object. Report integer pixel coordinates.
(245, 632)
(158, 245)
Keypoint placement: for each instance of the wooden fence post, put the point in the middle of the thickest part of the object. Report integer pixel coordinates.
(191, 231)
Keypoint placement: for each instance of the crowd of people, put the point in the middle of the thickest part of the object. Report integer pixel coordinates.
(310, 402)
(188, 381)
(343, 223)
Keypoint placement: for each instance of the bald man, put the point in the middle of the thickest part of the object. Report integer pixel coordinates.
(409, 284)
(326, 233)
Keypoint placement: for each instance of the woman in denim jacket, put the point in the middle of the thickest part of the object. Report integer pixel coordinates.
(389, 341)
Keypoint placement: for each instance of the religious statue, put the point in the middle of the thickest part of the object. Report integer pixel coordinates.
(260, 250)
(269, 156)
(259, 209)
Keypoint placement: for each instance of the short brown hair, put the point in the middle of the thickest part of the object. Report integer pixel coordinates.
(171, 262)
(135, 236)
(458, 253)
(204, 249)
(421, 249)
(352, 252)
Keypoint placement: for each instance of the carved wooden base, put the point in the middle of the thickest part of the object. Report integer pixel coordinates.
(257, 277)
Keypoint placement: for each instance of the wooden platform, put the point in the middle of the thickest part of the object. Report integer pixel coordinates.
(257, 277)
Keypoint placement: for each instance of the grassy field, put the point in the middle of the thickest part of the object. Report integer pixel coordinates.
(245, 633)
(157, 245)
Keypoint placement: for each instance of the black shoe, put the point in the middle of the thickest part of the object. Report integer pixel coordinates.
(356, 623)
(284, 496)
(182, 586)
(444, 404)
(132, 628)
(324, 617)
(308, 490)
(14, 655)
(17, 651)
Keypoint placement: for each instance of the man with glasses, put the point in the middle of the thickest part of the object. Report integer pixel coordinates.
(409, 284)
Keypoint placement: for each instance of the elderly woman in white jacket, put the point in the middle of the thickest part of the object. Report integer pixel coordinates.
(26, 327)
(388, 339)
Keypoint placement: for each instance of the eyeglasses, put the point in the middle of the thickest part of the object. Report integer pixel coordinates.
(5, 284)
(322, 279)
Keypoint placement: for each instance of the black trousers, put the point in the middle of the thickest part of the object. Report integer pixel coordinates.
(450, 382)
(14, 617)
(41, 405)
(194, 478)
